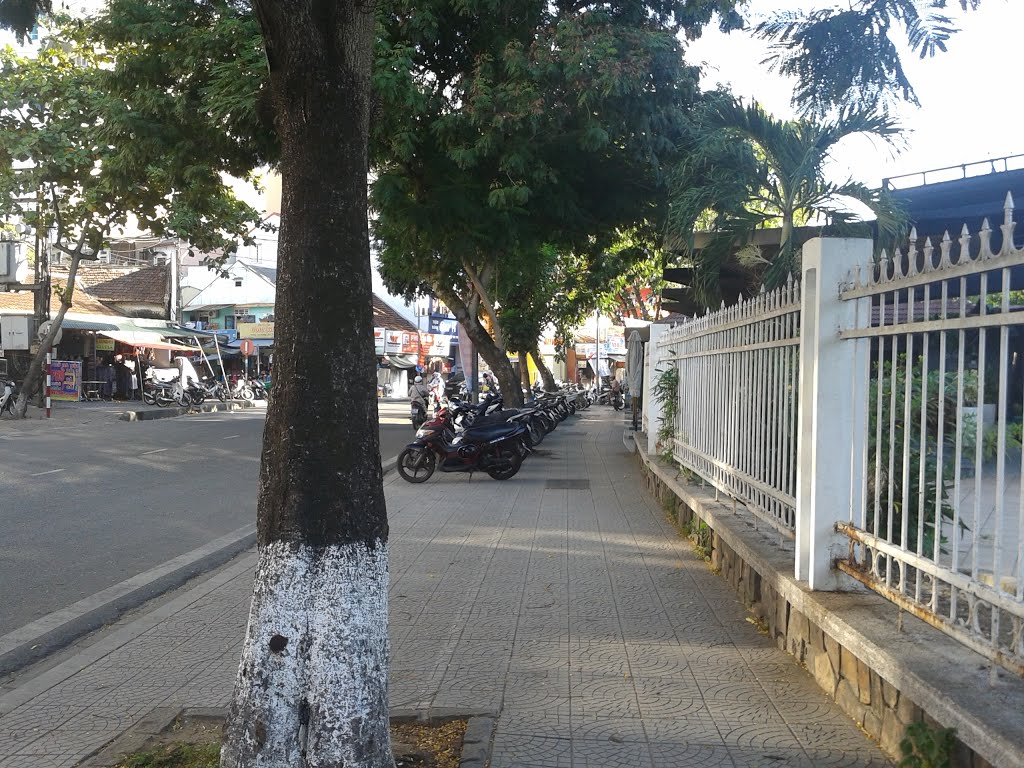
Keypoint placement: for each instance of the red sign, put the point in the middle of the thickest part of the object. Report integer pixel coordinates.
(247, 348)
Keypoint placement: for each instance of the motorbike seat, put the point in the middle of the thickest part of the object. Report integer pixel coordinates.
(490, 431)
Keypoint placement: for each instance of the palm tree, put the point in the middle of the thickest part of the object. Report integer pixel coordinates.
(845, 56)
(744, 170)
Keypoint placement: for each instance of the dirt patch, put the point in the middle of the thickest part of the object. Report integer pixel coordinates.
(193, 741)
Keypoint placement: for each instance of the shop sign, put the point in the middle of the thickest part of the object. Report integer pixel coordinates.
(393, 342)
(65, 379)
(444, 325)
(255, 330)
(378, 341)
(104, 344)
(436, 345)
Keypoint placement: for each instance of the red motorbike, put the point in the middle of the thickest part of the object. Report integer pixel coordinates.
(497, 449)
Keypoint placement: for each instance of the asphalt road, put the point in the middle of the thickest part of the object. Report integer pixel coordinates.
(83, 507)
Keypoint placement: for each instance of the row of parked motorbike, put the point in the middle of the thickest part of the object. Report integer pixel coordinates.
(487, 437)
(171, 391)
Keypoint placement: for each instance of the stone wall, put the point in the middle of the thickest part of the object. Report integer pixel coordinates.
(876, 704)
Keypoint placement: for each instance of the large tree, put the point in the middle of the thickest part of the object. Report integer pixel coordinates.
(510, 130)
(77, 159)
(312, 684)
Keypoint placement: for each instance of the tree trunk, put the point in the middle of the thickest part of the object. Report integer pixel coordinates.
(311, 688)
(485, 346)
(545, 372)
(36, 374)
(524, 371)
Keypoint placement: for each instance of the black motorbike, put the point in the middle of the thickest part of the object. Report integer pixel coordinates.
(418, 414)
(497, 449)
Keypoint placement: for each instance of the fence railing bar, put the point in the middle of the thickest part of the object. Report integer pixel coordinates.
(908, 386)
(950, 628)
(979, 435)
(688, 330)
(926, 326)
(960, 581)
(733, 473)
(922, 449)
(891, 501)
(1004, 349)
(951, 272)
(940, 445)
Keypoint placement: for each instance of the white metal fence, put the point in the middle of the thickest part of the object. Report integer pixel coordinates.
(875, 415)
(736, 426)
(939, 530)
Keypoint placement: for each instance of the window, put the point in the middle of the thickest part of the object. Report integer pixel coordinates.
(229, 322)
(238, 282)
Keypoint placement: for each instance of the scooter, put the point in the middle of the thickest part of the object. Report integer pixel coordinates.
(497, 449)
(7, 395)
(418, 414)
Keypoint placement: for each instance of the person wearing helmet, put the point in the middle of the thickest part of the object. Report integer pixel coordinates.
(419, 392)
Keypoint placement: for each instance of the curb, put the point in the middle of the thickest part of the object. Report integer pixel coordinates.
(389, 464)
(168, 413)
(34, 641)
(476, 743)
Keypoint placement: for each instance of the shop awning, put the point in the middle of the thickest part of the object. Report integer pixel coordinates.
(146, 339)
(87, 325)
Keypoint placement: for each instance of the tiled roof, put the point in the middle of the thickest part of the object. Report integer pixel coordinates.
(81, 301)
(385, 317)
(147, 285)
(270, 273)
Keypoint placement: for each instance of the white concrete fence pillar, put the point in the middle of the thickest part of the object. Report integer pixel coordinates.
(832, 421)
(654, 363)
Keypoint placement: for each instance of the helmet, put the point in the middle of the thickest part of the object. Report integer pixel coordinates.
(418, 379)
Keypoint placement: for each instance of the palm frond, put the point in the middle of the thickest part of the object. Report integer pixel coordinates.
(846, 57)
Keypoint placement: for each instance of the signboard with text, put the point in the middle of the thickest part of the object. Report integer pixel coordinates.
(65, 380)
(378, 341)
(255, 330)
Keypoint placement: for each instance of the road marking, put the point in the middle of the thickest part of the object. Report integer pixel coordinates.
(158, 450)
(230, 437)
(48, 472)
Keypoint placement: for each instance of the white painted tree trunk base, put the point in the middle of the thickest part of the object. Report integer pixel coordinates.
(312, 685)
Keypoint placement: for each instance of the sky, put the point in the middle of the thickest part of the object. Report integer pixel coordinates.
(969, 107)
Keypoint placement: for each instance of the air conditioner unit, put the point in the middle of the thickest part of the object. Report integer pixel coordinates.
(103, 256)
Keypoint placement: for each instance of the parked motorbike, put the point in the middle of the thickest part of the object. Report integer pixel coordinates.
(8, 394)
(497, 449)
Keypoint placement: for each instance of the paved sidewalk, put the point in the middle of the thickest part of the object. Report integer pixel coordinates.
(561, 599)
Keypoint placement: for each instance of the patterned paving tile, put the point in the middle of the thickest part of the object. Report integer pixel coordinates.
(519, 751)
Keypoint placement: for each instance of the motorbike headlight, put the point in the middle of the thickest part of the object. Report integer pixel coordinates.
(425, 433)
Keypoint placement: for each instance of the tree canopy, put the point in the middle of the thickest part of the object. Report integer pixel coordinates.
(509, 134)
(743, 170)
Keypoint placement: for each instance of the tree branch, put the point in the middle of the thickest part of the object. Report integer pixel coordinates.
(485, 299)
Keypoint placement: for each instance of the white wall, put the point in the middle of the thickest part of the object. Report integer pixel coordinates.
(213, 289)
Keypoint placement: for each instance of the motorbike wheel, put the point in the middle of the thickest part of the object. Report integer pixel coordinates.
(247, 394)
(148, 397)
(504, 473)
(536, 432)
(184, 399)
(416, 465)
(617, 404)
(163, 400)
(222, 393)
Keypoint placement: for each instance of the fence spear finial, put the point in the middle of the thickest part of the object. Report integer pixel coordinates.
(945, 246)
(984, 242)
(965, 243)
